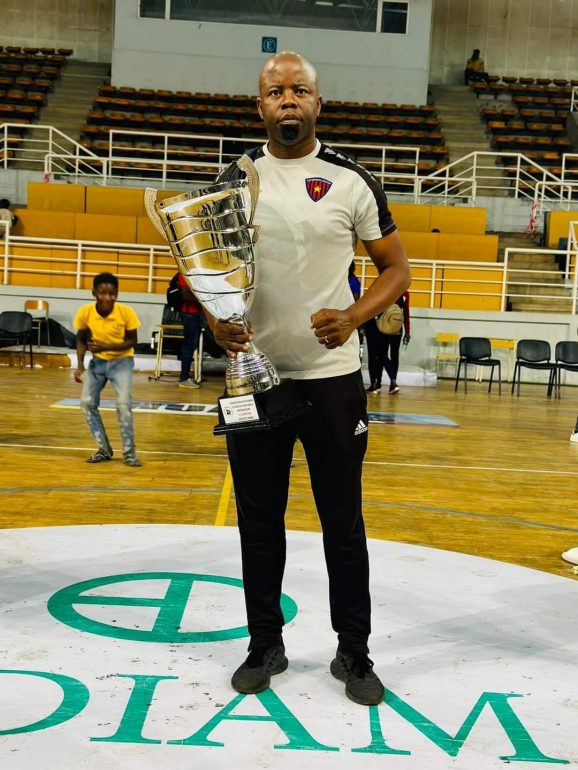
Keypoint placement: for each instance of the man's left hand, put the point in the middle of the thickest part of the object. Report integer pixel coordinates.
(333, 327)
(406, 339)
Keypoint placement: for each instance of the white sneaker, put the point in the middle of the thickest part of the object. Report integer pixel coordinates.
(188, 384)
(574, 437)
(571, 555)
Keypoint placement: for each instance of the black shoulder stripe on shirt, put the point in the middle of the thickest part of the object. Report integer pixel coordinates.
(232, 172)
(386, 223)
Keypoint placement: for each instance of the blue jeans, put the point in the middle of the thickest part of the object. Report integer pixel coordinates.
(119, 374)
(192, 333)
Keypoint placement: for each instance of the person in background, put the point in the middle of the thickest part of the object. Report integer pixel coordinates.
(383, 350)
(192, 319)
(6, 215)
(354, 284)
(355, 287)
(475, 68)
(109, 331)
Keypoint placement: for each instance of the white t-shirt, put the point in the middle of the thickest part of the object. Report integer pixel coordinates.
(6, 216)
(311, 211)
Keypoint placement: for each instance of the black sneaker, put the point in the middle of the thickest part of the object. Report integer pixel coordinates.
(100, 456)
(254, 675)
(362, 685)
(373, 388)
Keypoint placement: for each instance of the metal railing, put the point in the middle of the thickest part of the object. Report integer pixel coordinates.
(78, 260)
(32, 143)
(574, 100)
(150, 266)
(542, 283)
(519, 175)
(550, 196)
(181, 159)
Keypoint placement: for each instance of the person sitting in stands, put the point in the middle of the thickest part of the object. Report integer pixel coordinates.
(6, 215)
(475, 68)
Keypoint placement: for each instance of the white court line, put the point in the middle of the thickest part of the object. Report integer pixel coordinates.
(496, 469)
(117, 451)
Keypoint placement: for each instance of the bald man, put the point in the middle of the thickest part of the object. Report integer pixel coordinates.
(313, 206)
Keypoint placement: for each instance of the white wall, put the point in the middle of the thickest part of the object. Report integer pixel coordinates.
(65, 302)
(83, 25)
(425, 323)
(201, 56)
(535, 38)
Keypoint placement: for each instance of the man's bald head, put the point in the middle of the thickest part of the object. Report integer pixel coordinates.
(289, 104)
(283, 58)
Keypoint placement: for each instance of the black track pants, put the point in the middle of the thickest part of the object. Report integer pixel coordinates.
(334, 436)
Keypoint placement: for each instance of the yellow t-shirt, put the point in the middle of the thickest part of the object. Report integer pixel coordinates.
(108, 329)
(477, 65)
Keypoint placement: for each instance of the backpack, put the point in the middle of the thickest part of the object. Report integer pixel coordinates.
(391, 320)
(175, 294)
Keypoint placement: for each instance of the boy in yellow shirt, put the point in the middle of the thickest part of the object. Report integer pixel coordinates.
(108, 330)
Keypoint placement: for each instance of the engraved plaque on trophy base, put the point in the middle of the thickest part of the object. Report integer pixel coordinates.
(260, 411)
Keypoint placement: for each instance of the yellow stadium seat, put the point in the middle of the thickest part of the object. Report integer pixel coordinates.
(421, 245)
(411, 216)
(558, 225)
(44, 224)
(127, 201)
(43, 196)
(105, 227)
(458, 219)
(470, 248)
(147, 233)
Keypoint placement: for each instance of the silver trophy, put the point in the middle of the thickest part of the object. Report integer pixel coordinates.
(211, 236)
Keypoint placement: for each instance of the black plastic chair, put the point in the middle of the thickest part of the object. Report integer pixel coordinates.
(16, 328)
(566, 356)
(477, 351)
(533, 354)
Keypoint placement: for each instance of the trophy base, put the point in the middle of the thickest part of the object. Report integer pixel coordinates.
(260, 411)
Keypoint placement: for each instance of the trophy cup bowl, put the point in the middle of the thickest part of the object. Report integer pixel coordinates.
(212, 237)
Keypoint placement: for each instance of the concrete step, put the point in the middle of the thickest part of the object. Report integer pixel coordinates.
(534, 276)
(523, 291)
(540, 306)
(458, 135)
(535, 259)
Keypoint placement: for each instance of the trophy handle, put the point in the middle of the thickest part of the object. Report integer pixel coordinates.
(246, 164)
(150, 198)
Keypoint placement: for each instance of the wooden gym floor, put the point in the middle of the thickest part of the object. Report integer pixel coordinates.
(501, 485)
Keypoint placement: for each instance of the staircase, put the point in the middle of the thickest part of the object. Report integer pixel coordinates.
(73, 95)
(534, 268)
(458, 110)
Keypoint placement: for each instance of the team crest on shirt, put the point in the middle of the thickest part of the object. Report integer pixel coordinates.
(317, 187)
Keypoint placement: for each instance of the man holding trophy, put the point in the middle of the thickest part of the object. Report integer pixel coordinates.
(306, 384)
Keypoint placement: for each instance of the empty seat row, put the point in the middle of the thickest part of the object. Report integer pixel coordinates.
(529, 126)
(202, 97)
(104, 106)
(511, 79)
(524, 90)
(12, 112)
(34, 50)
(529, 354)
(521, 142)
(509, 113)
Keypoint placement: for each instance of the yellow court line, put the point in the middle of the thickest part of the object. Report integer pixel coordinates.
(224, 499)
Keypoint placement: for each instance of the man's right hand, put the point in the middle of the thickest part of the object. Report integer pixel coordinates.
(233, 338)
(79, 375)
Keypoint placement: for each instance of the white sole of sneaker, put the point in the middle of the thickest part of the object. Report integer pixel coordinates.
(571, 555)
